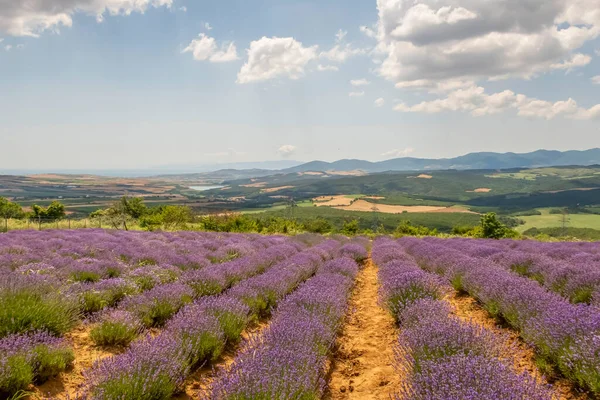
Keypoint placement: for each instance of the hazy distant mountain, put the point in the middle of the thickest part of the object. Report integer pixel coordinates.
(539, 158)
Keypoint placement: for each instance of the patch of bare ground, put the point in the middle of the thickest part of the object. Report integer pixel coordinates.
(198, 383)
(363, 363)
(365, 206)
(275, 189)
(68, 384)
(356, 172)
(422, 176)
(480, 190)
(333, 201)
(523, 356)
(255, 185)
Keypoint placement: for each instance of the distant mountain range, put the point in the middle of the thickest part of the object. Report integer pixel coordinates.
(482, 160)
(232, 171)
(539, 158)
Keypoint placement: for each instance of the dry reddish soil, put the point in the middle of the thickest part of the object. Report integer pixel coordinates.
(422, 176)
(365, 206)
(347, 173)
(480, 190)
(198, 383)
(333, 201)
(363, 364)
(255, 185)
(276, 189)
(67, 384)
(523, 356)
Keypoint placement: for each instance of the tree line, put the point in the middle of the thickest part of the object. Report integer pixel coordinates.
(132, 213)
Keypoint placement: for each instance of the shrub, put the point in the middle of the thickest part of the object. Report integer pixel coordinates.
(117, 328)
(29, 306)
(31, 357)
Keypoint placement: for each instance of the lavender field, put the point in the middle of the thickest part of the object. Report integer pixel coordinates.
(99, 314)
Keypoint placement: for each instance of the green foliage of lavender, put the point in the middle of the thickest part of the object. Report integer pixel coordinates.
(29, 358)
(31, 305)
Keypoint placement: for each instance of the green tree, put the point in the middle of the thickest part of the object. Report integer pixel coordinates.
(318, 225)
(134, 207)
(406, 228)
(10, 210)
(493, 228)
(166, 217)
(56, 210)
(350, 228)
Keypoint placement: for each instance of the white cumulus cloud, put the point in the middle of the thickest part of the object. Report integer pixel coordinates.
(32, 17)
(356, 94)
(431, 41)
(322, 67)
(340, 35)
(205, 49)
(286, 150)
(596, 80)
(380, 102)
(276, 57)
(341, 53)
(396, 153)
(368, 31)
(360, 82)
(475, 101)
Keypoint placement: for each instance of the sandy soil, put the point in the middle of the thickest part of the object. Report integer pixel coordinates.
(310, 173)
(347, 173)
(480, 190)
(255, 185)
(67, 384)
(276, 189)
(522, 355)
(363, 364)
(422, 176)
(374, 197)
(333, 201)
(362, 205)
(198, 383)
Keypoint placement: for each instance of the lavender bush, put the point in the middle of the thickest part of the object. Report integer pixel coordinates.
(563, 334)
(31, 357)
(442, 356)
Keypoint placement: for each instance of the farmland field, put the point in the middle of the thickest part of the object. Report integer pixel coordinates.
(112, 315)
(547, 220)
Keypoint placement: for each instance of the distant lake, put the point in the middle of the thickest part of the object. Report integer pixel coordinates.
(204, 188)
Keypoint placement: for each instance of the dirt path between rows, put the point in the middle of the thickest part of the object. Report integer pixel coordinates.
(198, 383)
(68, 384)
(363, 364)
(523, 356)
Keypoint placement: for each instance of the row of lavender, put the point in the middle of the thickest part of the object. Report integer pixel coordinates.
(569, 269)
(38, 303)
(70, 282)
(288, 361)
(565, 336)
(441, 356)
(156, 367)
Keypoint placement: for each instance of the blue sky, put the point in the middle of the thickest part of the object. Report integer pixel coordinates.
(132, 84)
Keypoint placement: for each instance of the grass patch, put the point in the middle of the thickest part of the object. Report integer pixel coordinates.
(26, 310)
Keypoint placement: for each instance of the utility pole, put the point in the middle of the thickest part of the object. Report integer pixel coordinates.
(375, 210)
(565, 220)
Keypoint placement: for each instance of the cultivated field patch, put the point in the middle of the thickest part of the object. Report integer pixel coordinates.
(365, 206)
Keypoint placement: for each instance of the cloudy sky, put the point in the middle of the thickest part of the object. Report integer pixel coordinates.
(137, 83)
